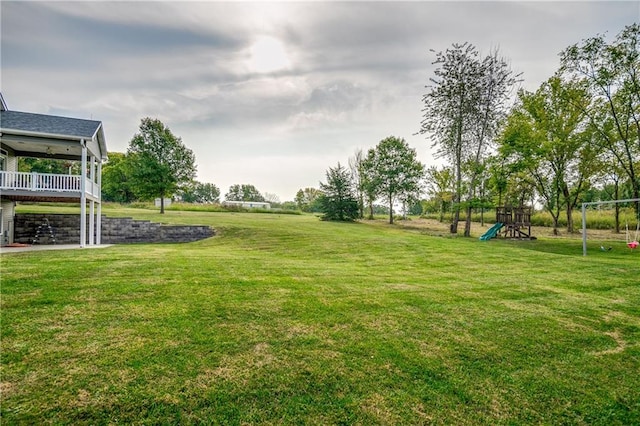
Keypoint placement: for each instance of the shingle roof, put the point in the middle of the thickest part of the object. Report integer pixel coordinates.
(48, 124)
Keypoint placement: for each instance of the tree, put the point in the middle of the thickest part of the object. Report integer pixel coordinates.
(448, 109)
(162, 164)
(612, 175)
(463, 111)
(244, 192)
(368, 181)
(198, 192)
(440, 187)
(307, 199)
(271, 198)
(116, 179)
(612, 74)
(396, 172)
(547, 137)
(356, 165)
(48, 165)
(338, 200)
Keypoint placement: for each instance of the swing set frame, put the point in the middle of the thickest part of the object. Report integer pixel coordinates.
(584, 217)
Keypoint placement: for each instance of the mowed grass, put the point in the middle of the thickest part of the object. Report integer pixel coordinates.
(283, 319)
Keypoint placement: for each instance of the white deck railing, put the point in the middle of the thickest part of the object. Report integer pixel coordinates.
(46, 182)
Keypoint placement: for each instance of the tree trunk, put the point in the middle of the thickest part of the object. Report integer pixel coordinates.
(161, 204)
(467, 222)
(569, 218)
(555, 224)
(617, 206)
(456, 198)
(390, 210)
(371, 210)
(454, 223)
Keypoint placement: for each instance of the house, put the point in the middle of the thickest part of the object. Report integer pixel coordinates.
(24, 134)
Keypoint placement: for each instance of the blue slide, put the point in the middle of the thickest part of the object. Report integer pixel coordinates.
(492, 232)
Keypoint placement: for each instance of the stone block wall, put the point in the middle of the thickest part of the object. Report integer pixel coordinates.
(115, 230)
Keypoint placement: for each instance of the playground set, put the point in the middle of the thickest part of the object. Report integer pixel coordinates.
(515, 223)
(511, 222)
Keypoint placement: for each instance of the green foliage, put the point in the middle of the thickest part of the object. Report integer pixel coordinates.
(358, 171)
(368, 181)
(308, 200)
(47, 165)
(611, 71)
(463, 111)
(596, 219)
(198, 192)
(440, 187)
(161, 163)
(244, 192)
(116, 179)
(338, 201)
(395, 172)
(547, 136)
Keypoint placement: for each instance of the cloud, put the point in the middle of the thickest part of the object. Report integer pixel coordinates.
(350, 73)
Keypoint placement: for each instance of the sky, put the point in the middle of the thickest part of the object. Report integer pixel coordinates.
(271, 94)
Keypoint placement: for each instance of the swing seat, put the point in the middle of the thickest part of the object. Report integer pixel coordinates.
(633, 244)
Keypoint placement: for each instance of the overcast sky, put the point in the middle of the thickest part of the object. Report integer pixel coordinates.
(270, 94)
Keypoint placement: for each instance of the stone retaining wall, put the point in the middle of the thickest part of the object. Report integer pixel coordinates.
(115, 230)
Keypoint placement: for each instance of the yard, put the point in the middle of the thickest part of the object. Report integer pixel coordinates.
(284, 319)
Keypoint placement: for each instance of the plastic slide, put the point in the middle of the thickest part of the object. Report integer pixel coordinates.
(492, 232)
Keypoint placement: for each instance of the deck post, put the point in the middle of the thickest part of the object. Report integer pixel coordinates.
(92, 222)
(99, 213)
(83, 195)
(92, 211)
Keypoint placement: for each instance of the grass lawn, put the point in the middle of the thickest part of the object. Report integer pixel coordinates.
(284, 319)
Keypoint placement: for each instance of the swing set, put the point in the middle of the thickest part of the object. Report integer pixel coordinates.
(632, 243)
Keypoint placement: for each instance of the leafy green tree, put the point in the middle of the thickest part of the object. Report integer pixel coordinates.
(462, 113)
(307, 199)
(369, 182)
(338, 200)
(611, 176)
(198, 192)
(448, 109)
(415, 209)
(397, 173)
(162, 164)
(356, 165)
(440, 187)
(546, 136)
(289, 205)
(244, 192)
(116, 179)
(48, 165)
(612, 74)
